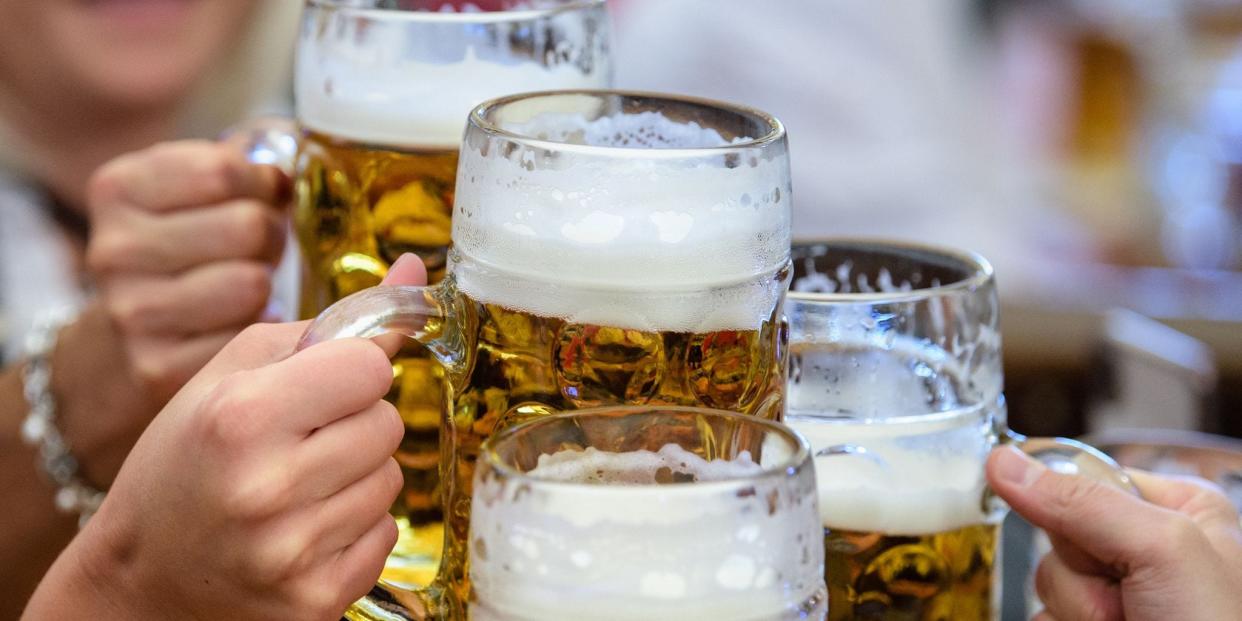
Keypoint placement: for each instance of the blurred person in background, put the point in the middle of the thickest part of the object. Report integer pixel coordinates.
(167, 252)
(893, 132)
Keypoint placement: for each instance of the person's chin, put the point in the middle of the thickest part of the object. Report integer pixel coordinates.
(142, 91)
(139, 17)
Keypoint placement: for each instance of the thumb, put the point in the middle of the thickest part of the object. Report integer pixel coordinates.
(407, 270)
(1111, 525)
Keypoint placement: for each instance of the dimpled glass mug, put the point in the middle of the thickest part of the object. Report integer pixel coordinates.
(609, 248)
(641, 513)
(895, 379)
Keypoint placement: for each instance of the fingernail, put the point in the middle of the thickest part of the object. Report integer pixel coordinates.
(1014, 466)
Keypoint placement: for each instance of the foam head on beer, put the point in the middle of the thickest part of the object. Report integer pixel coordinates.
(642, 535)
(914, 479)
(648, 221)
(393, 83)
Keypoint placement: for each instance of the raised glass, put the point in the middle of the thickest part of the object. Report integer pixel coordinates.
(608, 248)
(895, 379)
(640, 513)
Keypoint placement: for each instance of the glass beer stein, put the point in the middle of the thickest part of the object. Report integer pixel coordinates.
(382, 91)
(608, 248)
(895, 380)
(642, 513)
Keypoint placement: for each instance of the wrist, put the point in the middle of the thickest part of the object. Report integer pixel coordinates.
(102, 410)
(88, 581)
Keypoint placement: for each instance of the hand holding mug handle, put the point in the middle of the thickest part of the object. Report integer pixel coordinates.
(1174, 553)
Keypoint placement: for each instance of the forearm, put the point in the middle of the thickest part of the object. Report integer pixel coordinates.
(91, 581)
(90, 389)
(32, 532)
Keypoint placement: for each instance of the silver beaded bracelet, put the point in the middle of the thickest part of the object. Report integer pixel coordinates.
(73, 495)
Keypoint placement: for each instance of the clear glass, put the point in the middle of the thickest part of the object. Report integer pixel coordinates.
(382, 92)
(895, 379)
(609, 248)
(631, 513)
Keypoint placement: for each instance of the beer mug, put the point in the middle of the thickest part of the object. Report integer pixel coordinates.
(382, 91)
(640, 513)
(608, 248)
(895, 379)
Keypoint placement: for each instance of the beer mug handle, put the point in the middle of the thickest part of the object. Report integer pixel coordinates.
(1058, 454)
(428, 315)
(1072, 457)
(266, 140)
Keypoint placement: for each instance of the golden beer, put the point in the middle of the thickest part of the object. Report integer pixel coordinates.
(359, 207)
(525, 365)
(908, 535)
(929, 577)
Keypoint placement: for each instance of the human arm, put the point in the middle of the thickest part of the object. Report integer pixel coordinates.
(261, 491)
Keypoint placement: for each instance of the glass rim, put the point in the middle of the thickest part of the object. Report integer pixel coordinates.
(477, 119)
(436, 17)
(797, 459)
(979, 271)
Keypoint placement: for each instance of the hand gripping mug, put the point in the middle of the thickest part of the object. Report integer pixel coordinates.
(382, 91)
(609, 248)
(895, 379)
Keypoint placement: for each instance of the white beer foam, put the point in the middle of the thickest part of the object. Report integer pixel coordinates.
(375, 96)
(617, 547)
(629, 237)
(639, 467)
(915, 478)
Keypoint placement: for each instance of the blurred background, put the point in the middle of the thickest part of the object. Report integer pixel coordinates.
(1091, 149)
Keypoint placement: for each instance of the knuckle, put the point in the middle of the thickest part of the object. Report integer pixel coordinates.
(234, 412)
(107, 185)
(222, 171)
(256, 278)
(259, 489)
(252, 283)
(134, 314)
(249, 228)
(322, 602)
(107, 250)
(251, 498)
(281, 558)
(154, 371)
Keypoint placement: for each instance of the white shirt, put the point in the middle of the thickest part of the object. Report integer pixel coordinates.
(36, 264)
